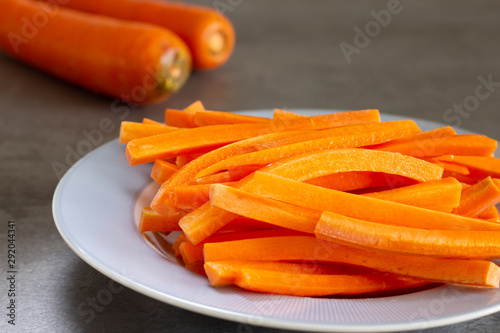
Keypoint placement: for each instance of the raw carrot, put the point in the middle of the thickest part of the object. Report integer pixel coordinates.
(481, 273)
(424, 195)
(359, 207)
(152, 122)
(440, 132)
(130, 130)
(479, 166)
(178, 241)
(490, 214)
(188, 141)
(182, 160)
(208, 33)
(188, 197)
(449, 167)
(458, 244)
(343, 137)
(467, 144)
(280, 114)
(207, 118)
(478, 198)
(356, 180)
(85, 49)
(231, 175)
(183, 118)
(152, 221)
(163, 170)
(303, 284)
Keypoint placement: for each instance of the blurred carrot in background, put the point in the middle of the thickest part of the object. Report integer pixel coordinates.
(208, 33)
(132, 61)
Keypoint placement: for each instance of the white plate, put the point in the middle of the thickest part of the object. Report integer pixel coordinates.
(93, 208)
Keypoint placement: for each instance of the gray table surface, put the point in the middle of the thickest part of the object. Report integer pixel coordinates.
(430, 58)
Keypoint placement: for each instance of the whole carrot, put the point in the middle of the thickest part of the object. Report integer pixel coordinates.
(208, 33)
(132, 61)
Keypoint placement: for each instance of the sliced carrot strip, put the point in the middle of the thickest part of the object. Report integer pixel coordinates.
(459, 244)
(183, 118)
(130, 130)
(480, 273)
(182, 160)
(355, 180)
(194, 107)
(440, 132)
(207, 118)
(242, 224)
(193, 196)
(478, 198)
(399, 129)
(178, 241)
(449, 167)
(164, 201)
(280, 114)
(360, 207)
(266, 156)
(152, 122)
(163, 170)
(188, 141)
(192, 253)
(424, 195)
(320, 163)
(490, 214)
(152, 221)
(467, 144)
(196, 268)
(481, 166)
(263, 209)
(301, 284)
(224, 273)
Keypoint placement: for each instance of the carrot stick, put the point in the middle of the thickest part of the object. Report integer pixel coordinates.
(467, 144)
(189, 197)
(208, 33)
(481, 273)
(478, 198)
(85, 49)
(188, 141)
(175, 246)
(359, 207)
(479, 166)
(459, 244)
(148, 121)
(449, 167)
(224, 273)
(152, 221)
(207, 118)
(130, 130)
(424, 195)
(280, 114)
(440, 132)
(355, 180)
(162, 171)
(490, 214)
(263, 209)
(183, 118)
(339, 140)
(303, 284)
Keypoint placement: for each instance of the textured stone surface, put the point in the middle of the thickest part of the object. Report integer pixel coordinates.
(428, 58)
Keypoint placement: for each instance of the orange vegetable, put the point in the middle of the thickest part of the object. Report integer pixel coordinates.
(208, 33)
(189, 197)
(468, 144)
(481, 273)
(163, 170)
(460, 244)
(490, 214)
(151, 75)
(374, 210)
(424, 195)
(188, 141)
(207, 118)
(479, 166)
(310, 142)
(148, 121)
(449, 167)
(355, 180)
(130, 130)
(152, 221)
(183, 118)
(478, 198)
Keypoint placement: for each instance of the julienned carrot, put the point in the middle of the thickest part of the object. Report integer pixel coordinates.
(478, 198)
(490, 214)
(459, 244)
(359, 207)
(440, 132)
(263, 209)
(231, 175)
(59, 48)
(310, 142)
(130, 130)
(164, 200)
(207, 118)
(355, 180)
(481, 273)
(424, 195)
(192, 253)
(304, 284)
(183, 118)
(449, 167)
(163, 170)
(188, 141)
(479, 166)
(224, 273)
(152, 221)
(189, 197)
(148, 121)
(280, 114)
(467, 144)
(208, 33)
